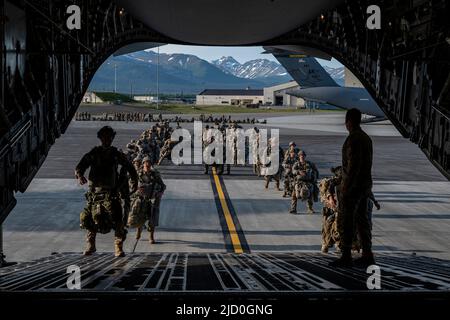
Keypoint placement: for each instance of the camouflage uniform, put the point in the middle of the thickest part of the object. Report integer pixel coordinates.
(288, 165)
(356, 186)
(167, 149)
(146, 201)
(293, 147)
(329, 189)
(124, 192)
(277, 175)
(305, 179)
(103, 211)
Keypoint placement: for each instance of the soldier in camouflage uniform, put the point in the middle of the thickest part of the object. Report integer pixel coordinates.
(137, 162)
(356, 187)
(328, 196)
(277, 176)
(150, 191)
(292, 148)
(255, 149)
(288, 164)
(305, 181)
(103, 211)
(166, 150)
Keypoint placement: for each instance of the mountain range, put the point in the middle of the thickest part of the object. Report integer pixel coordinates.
(188, 74)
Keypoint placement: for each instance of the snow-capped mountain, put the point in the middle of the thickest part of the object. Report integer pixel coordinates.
(190, 74)
(253, 69)
(227, 64)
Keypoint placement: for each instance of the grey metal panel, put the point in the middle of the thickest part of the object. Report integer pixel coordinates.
(306, 71)
(134, 47)
(231, 22)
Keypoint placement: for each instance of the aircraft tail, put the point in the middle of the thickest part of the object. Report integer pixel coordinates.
(306, 71)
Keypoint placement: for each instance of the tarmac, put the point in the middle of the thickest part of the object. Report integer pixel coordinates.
(208, 214)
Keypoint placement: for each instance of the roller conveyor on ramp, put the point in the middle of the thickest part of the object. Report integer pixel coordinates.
(153, 273)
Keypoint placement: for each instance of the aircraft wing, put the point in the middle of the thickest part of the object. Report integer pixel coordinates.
(305, 70)
(341, 97)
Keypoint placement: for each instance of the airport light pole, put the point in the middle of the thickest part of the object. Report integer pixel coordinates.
(131, 90)
(115, 77)
(157, 81)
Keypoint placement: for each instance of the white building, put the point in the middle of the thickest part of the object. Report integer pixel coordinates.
(230, 97)
(91, 97)
(277, 96)
(146, 99)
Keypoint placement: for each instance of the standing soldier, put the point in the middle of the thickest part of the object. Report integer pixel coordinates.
(356, 187)
(150, 191)
(103, 211)
(305, 180)
(288, 164)
(277, 176)
(255, 151)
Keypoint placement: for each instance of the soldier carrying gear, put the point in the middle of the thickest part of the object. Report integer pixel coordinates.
(305, 183)
(103, 210)
(329, 197)
(137, 162)
(292, 148)
(147, 200)
(288, 165)
(166, 150)
(277, 175)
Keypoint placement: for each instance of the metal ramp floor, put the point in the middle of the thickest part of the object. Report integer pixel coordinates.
(223, 273)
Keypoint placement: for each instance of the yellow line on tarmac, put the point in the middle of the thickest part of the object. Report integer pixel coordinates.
(226, 211)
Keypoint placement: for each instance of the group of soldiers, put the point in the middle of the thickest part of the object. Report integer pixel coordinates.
(298, 174)
(125, 189)
(132, 195)
(155, 143)
(149, 117)
(227, 131)
(346, 196)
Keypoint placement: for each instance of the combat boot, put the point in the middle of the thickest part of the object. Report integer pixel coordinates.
(310, 208)
(366, 260)
(277, 186)
(90, 243)
(324, 249)
(118, 248)
(138, 233)
(345, 261)
(267, 184)
(151, 239)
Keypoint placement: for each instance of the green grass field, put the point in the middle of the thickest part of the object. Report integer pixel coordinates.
(111, 96)
(218, 109)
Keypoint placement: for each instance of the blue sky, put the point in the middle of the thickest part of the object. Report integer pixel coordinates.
(241, 54)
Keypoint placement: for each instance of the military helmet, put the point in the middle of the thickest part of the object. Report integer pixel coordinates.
(106, 130)
(301, 153)
(147, 159)
(292, 143)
